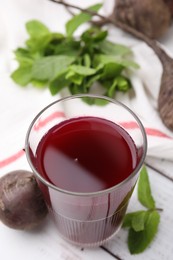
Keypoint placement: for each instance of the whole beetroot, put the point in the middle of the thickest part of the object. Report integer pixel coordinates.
(151, 17)
(21, 202)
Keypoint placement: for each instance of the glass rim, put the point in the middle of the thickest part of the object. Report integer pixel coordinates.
(95, 193)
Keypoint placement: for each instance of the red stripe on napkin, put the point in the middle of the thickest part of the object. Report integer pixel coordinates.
(46, 120)
(12, 158)
(149, 131)
(157, 133)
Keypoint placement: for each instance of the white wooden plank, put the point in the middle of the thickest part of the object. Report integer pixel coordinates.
(164, 166)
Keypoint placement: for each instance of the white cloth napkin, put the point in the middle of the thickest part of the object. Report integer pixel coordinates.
(18, 105)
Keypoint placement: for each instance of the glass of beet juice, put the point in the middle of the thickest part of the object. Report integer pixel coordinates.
(86, 159)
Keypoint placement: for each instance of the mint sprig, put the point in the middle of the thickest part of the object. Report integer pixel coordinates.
(143, 224)
(144, 190)
(56, 60)
(80, 19)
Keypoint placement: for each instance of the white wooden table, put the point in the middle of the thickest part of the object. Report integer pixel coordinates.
(44, 243)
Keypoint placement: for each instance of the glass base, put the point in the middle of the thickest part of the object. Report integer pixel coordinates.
(91, 245)
(88, 233)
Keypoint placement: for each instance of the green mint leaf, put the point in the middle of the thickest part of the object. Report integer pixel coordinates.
(127, 222)
(39, 83)
(111, 70)
(25, 61)
(105, 59)
(111, 48)
(89, 101)
(128, 64)
(87, 60)
(139, 241)
(21, 52)
(94, 35)
(58, 83)
(79, 19)
(95, 101)
(57, 37)
(138, 221)
(36, 29)
(123, 84)
(91, 80)
(82, 70)
(76, 89)
(68, 47)
(112, 89)
(47, 68)
(100, 102)
(56, 40)
(22, 75)
(39, 43)
(40, 35)
(70, 74)
(100, 36)
(144, 190)
(74, 77)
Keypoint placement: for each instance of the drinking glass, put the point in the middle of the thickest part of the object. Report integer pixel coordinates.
(86, 218)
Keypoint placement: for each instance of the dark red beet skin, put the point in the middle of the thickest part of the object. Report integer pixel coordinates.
(21, 202)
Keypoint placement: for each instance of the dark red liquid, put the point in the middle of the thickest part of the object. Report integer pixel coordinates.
(86, 154)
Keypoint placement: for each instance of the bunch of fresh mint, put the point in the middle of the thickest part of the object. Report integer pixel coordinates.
(58, 61)
(143, 224)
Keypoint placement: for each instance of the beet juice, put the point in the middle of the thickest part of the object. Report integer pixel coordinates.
(87, 156)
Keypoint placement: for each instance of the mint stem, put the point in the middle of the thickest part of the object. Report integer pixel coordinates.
(159, 209)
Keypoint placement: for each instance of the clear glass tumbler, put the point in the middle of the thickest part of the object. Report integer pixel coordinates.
(86, 218)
